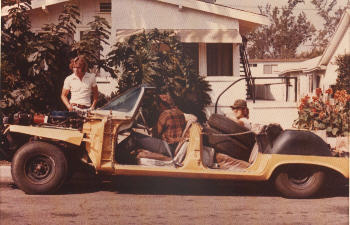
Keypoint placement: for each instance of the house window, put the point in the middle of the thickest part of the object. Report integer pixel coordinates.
(318, 81)
(219, 59)
(311, 83)
(106, 7)
(82, 33)
(268, 68)
(191, 50)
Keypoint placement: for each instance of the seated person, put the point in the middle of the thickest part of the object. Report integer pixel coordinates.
(168, 131)
(241, 113)
(241, 116)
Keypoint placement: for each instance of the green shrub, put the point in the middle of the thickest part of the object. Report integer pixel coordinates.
(157, 58)
(343, 79)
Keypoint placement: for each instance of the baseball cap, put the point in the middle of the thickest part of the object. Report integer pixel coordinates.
(239, 103)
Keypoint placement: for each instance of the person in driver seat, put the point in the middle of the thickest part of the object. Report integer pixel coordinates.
(241, 113)
(241, 116)
(168, 131)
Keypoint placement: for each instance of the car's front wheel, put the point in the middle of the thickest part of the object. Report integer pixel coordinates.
(39, 168)
(299, 181)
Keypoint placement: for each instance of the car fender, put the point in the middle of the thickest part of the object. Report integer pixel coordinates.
(74, 137)
(338, 164)
(299, 142)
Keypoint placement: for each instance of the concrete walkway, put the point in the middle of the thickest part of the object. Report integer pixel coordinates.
(5, 174)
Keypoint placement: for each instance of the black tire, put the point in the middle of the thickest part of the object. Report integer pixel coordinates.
(39, 168)
(299, 181)
(228, 126)
(226, 145)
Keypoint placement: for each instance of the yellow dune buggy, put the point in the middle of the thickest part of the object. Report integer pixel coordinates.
(44, 150)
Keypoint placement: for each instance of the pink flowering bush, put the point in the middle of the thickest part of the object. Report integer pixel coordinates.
(321, 112)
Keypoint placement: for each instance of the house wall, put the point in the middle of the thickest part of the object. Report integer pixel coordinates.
(218, 85)
(278, 66)
(140, 14)
(271, 89)
(39, 17)
(304, 85)
(87, 9)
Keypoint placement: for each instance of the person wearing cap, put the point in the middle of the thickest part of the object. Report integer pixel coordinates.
(80, 84)
(241, 113)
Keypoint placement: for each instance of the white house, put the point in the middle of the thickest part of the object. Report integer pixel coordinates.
(275, 87)
(212, 33)
(320, 72)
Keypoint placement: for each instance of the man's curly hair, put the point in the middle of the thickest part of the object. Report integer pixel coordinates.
(79, 61)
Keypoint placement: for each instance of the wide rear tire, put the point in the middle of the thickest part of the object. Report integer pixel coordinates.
(299, 181)
(39, 168)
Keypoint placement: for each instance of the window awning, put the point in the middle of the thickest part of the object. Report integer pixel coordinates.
(191, 36)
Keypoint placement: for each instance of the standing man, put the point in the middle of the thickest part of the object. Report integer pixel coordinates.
(80, 84)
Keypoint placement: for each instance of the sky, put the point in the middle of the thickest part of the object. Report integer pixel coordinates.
(308, 8)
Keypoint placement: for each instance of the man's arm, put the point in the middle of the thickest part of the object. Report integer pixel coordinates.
(65, 100)
(95, 97)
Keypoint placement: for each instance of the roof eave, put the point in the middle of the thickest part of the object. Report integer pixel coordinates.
(220, 10)
(303, 70)
(335, 40)
(35, 4)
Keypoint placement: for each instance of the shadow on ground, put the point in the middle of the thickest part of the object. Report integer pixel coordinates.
(180, 186)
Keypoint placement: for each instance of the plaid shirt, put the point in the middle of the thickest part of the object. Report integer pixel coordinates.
(170, 125)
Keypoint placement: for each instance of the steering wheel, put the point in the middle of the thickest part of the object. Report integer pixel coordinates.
(144, 125)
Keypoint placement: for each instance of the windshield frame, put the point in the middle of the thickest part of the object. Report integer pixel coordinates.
(118, 114)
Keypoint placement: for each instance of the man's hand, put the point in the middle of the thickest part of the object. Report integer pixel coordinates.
(70, 108)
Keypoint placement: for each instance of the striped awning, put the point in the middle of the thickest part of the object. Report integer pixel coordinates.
(191, 36)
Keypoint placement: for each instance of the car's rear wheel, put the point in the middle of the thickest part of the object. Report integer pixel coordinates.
(39, 168)
(299, 181)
